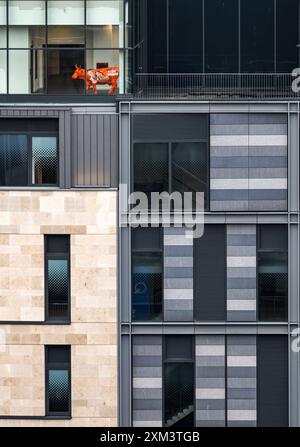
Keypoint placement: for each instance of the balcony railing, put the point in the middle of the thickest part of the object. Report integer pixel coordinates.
(214, 86)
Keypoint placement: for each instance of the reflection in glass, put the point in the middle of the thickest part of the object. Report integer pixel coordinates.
(178, 394)
(13, 160)
(58, 389)
(272, 286)
(44, 160)
(257, 36)
(146, 286)
(189, 168)
(58, 288)
(151, 167)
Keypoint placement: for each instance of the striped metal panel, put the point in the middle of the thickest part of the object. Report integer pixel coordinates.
(178, 275)
(210, 381)
(241, 381)
(241, 272)
(94, 150)
(147, 381)
(267, 162)
(248, 163)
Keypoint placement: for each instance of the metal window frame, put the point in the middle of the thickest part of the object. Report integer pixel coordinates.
(57, 366)
(57, 256)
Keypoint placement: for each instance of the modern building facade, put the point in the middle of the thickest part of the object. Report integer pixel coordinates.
(102, 324)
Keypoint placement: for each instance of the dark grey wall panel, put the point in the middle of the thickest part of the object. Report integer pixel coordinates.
(94, 150)
(210, 274)
(170, 127)
(272, 380)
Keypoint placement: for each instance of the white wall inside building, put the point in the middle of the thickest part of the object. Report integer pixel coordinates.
(66, 13)
(25, 12)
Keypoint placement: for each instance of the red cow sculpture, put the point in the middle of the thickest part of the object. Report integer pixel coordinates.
(98, 76)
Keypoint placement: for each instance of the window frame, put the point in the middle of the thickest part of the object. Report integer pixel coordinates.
(56, 256)
(155, 252)
(181, 361)
(58, 366)
(29, 135)
(269, 251)
(170, 144)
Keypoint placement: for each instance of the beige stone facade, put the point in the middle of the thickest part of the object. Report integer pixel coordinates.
(90, 218)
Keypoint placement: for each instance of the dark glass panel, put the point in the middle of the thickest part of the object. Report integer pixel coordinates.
(185, 36)
(13, 160)
(189, 168)
(257, 36)
(272, 286)
(179, 347)
(221, 36)
(179, 394)
(58, 288)
(146, 286)
(150, 167)
(287, 20)
(157, 36)
(58, 391)
(44, 160)
(58, 244)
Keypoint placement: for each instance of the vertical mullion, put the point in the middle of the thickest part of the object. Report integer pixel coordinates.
(7, 47)
(46, 49)
(85, 46)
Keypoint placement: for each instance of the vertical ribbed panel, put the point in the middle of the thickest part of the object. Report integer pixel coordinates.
(210, 380)
(178, 275)
(241, 273)
(241, 381)
(147, 381)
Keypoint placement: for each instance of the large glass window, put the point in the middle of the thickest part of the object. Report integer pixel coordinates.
(222, 39)
(147, 274)
(287, 42)
(272, 265)
(58, 380)
(178, 381)
(181, 167)
(63, 46)
(28, 157)
(57, 252)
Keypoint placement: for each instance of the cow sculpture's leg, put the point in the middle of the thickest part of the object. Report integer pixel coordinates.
(113, 89)
(95, 89)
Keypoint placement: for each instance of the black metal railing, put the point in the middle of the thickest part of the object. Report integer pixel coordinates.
(215, 85)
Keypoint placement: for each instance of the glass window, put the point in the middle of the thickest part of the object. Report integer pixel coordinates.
(273, 286)
(102, 36)
(178, 378)
(287, 19)
(59, 36)
(65, 12)
(185, 36)
(57, 278)
(157, 37)
(2, 26)
(147, 274)
(257, 36)
(61, 65)
(3, 71)
(189, 167)
(103, 19)
(44, 160)
(150, 162)
(13, 160)
(24, 12)
(272, 270)
(58, 380)
(103, 12)
(221, 36)
(103, 71)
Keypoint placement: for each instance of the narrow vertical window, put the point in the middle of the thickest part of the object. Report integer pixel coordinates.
(272, 268)
(58, 380)
(147, 277)
(178, 381)
(57, 263)
(44, 160)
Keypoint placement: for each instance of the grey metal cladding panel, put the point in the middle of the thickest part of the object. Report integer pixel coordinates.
(272, 379)
(170, 127)
(29, 112)
(147, 380)
(94, 150)
(65, 149)
(210, 380)
(241, 393)
(210, 274)
(267, 118)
